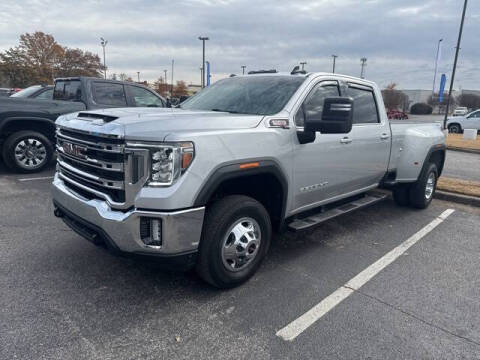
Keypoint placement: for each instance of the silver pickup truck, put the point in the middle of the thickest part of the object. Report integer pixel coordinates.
(206, 184)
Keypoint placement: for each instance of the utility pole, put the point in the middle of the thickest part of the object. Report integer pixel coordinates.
(334, 59)
(364, 63)
(243, 69)
(138, 76)
(171, 88)
(104, 43)
(455, 63)
(203, 39)
(166, 84)
(303, 63)
(201, 77)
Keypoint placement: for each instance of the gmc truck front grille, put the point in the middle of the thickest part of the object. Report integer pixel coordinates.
(100, 165)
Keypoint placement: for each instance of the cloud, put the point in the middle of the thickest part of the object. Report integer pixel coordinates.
(399, 38)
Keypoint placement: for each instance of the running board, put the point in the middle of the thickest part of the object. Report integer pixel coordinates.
(370, 198)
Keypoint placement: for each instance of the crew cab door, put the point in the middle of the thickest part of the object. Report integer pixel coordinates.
(337, 165)
(322, 167)
(370, 135)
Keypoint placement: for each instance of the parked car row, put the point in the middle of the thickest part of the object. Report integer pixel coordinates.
(6, 92)
(27, 120)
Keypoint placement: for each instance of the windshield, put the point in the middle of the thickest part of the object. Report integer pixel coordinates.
(260, 95)
(27, 92)
(67, 90)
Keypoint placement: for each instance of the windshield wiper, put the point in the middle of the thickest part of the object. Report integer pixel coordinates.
(227, 111)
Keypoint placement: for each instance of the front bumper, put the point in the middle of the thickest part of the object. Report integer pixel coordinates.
(95, 220)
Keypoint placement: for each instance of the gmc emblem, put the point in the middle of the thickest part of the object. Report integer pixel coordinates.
(75, 150)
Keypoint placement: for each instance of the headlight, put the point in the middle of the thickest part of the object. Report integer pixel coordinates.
(168, 162)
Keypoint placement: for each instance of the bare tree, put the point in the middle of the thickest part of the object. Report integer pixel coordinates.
(470, 101)
(180, 89)
(393, 98)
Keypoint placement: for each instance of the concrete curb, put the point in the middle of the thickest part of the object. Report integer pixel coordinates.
(471, 151)
(458, 198)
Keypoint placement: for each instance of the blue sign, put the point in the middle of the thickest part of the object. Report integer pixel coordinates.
(442, 87)
(208, 73)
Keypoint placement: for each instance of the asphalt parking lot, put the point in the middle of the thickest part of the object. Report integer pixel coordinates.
(64, 298)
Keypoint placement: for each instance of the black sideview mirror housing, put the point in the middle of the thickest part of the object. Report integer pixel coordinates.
(336, 118)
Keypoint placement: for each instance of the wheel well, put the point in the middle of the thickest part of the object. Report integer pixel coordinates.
(455, 123)
(46, 128)
(437, 158)
(265, 188)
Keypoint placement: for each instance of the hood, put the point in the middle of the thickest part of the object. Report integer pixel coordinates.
(154, 124)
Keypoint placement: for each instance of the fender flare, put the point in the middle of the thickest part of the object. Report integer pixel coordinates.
(438, 147)
(234, 171)
(8, 120)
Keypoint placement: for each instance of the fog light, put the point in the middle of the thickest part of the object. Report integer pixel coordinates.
(151, 231)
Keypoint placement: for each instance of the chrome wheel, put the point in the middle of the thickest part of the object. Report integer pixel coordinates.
(430, 187)
(241, 244)
(30, 153)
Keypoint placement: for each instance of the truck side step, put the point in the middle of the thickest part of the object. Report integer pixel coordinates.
(370, 198)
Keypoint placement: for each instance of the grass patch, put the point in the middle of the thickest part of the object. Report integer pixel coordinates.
(458, 186)
(457, 141)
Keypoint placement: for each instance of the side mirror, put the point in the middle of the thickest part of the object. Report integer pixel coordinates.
(336, 118)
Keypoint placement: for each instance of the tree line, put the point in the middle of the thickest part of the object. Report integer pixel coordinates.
(39, 58)
(397, 100)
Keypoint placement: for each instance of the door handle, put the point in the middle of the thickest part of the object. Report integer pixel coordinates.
(346, 140)
(384, 136)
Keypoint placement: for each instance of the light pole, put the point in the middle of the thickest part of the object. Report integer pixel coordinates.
(334, 59)
(138, 76)
(455, 63)
(243, 69)
(171, 88)
(104, 43)
(364, 63)
(436, 67)
(203, 39)
(166, 84)
(303, 63)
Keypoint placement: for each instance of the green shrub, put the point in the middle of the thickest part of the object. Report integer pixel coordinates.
(421, 109)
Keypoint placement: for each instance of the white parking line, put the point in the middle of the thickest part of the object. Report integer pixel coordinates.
(36, 178)
(299, 325)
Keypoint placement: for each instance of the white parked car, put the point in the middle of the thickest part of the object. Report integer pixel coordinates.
(456, 124)
(460, 111)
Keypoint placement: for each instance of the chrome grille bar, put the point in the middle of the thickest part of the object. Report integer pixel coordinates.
(107, 183)
(99, 146)
(95, 163)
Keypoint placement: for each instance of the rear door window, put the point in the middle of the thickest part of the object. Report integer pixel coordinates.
(364, 105)
(111, 94)
(68, 90)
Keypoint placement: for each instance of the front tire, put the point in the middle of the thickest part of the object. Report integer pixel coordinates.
(27, 151)
(422, 191)
(454, 129)
(235, 239)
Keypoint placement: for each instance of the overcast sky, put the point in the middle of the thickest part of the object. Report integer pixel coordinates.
(399, 37)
